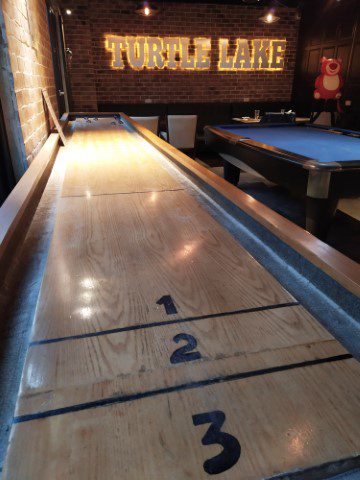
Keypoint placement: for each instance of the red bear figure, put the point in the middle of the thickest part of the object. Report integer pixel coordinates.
(329, 83)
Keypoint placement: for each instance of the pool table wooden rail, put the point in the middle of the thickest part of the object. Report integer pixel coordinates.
(307, 163)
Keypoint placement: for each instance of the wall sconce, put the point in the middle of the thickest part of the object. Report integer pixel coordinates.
(146, 9)
(269, 18)
(69, 56)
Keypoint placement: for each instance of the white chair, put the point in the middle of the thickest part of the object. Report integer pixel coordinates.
(181, 131)
(323, 119)
(151, 123)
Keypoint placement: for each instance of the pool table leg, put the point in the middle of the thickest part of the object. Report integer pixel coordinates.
(320, 204)
(231, 173)
(319, 215)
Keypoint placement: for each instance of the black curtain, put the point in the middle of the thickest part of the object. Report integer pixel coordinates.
(7, 178)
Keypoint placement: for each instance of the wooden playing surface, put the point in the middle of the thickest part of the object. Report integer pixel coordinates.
(103, 162)
(136, 248)
(161, 349)
(68, 372)
(281, 421)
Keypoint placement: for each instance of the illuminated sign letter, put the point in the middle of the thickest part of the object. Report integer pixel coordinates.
(183, 53)
(116, 44)
(278, 49)
(172, 46)
(136, 51)
(155, 56)
(261, 53)
(242, 55)
(202, 51)
(187, 61)
(225, 62)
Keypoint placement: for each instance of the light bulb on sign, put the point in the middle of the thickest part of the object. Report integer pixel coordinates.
(68, 11)
(147, 11)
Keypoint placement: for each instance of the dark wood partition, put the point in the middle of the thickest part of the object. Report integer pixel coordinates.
(329, 28)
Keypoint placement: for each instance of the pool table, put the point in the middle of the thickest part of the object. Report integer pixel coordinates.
(320, 163)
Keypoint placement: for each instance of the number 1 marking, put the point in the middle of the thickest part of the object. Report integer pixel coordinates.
(168, 303)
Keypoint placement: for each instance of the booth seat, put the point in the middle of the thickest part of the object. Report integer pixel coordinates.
(181, 131)
(151, 123)
(207, 113)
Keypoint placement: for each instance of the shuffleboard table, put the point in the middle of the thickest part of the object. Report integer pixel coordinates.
(175, 328)
(320, 163)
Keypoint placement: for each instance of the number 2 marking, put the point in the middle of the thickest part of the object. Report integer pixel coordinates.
(232, 449)
(184, 354)
(168, 303)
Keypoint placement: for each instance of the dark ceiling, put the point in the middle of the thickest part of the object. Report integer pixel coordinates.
(255, 3)
(258, 3)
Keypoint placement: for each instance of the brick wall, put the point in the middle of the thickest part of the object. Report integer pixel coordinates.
(31, 64)
(93, 81)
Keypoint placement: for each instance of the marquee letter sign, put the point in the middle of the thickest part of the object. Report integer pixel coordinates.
(182, 53)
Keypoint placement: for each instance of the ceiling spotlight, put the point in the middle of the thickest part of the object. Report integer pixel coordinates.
(269, 18)
(68, 11)
(146, 10)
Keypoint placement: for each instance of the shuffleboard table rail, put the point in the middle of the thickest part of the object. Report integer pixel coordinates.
(17, 211)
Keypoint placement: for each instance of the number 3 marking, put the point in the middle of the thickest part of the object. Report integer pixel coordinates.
(184, 354)
(232, 449)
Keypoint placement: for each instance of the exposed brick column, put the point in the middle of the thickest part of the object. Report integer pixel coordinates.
(10, 108)
(32, 68)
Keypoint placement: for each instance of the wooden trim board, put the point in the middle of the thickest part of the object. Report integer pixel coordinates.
(53, 115)
(339, 267)
(18, 209)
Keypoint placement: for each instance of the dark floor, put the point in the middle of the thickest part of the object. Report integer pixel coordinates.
(344, 234)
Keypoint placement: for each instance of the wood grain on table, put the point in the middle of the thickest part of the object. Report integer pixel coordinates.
(109, 159)
(60, 374)
(113, 257)
(282, 421)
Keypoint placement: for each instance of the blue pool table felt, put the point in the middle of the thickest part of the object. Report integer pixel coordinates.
(310, 142)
